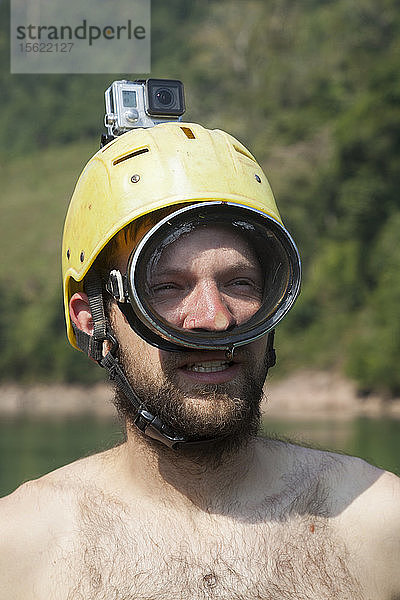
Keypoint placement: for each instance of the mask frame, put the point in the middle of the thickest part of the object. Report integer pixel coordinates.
(273, 245)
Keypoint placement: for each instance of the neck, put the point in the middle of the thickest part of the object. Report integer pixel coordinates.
(208, 477)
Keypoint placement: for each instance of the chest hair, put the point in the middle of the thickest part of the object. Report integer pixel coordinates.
(158, 556)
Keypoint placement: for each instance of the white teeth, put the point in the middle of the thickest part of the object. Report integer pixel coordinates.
(211, 366)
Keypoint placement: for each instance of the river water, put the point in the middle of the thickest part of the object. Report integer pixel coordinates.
(31, 447)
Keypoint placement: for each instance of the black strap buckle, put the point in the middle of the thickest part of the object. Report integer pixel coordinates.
(116, 286)
(153, 428)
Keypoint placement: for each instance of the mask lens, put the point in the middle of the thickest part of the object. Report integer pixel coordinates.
(211, 276)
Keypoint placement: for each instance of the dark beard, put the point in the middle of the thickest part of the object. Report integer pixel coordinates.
(230, 412)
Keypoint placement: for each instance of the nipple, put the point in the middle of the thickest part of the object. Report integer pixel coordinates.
(210, 580)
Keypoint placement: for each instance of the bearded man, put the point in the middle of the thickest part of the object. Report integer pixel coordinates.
(176, 269)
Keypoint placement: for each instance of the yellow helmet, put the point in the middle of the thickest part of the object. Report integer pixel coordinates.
(149, 169)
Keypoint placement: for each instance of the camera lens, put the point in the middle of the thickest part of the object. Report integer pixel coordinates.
(164, 97)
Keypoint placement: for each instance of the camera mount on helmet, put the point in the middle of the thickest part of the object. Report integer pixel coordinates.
(141, 103)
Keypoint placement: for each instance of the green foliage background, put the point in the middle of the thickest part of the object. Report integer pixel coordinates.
(313, 89)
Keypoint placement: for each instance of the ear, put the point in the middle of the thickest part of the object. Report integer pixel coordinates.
(80, 313)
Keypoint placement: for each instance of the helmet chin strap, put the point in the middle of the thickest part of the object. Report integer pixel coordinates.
(149, 424)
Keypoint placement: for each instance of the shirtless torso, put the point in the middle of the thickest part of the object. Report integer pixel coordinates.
(323, 526)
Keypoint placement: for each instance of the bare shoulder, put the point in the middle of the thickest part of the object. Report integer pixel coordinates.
(28, 523)
(362, 504)
(364, 507)
(36, 521)
(365, 494)
(55, 491)
(354, 489)
(371, 525)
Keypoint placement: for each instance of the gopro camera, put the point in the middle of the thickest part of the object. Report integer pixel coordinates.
(142, 103)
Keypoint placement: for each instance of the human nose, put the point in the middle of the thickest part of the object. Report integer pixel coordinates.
(205, 309)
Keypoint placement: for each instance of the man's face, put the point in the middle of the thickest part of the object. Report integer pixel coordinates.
(209, 280)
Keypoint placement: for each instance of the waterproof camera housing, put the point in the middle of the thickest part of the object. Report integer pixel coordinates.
(142, 103)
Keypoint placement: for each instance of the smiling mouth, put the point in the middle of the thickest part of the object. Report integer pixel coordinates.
(212, 366)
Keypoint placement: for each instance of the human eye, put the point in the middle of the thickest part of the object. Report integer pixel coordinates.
(244, 286)
(170, 292)
(167, 288)
(241, 282)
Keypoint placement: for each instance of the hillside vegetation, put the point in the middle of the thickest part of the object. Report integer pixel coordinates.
(312, 88)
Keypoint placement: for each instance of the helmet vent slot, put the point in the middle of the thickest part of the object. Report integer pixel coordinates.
(130, 155)
(246, 154)
(189, 133)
